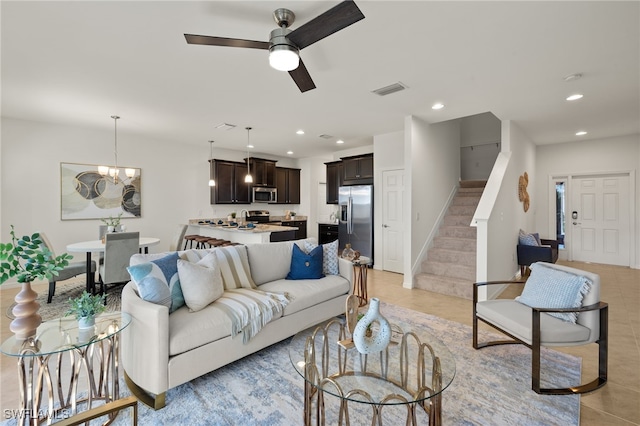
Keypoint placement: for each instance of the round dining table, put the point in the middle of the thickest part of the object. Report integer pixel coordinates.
(98, 246)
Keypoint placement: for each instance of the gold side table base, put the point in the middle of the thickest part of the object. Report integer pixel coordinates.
(318, 379)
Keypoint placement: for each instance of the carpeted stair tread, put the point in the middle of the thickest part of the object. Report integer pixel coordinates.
(473, 183)
(453, 270)
(457, 220)
(455, 257)
(460, 244)
(457, 287)
(458, 232)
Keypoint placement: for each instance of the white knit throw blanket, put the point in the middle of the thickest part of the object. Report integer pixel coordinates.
(249, 310)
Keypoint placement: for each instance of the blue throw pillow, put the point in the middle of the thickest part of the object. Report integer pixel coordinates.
(547, 287)
(305, 266)
(158, 281)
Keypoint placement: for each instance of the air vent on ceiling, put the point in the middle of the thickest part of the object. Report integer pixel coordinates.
(325, 136)
(225, 126)
(387, 90)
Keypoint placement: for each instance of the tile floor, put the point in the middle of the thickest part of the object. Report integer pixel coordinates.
(618, 403)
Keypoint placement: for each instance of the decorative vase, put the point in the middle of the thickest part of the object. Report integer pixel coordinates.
(86, 322)
(372, 342)
(26, 320)
(111, 228)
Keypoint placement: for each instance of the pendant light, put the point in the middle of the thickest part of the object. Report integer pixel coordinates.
(248, 178)
(212, 182)
(106, 170)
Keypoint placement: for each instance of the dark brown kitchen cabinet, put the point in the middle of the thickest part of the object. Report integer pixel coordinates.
(334, 181)
(301, 233)
(230, 185)
(327, 233)
(288, 185)
(357, 170)
(263, 172)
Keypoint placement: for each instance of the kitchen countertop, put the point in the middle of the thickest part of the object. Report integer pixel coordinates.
(260, 228)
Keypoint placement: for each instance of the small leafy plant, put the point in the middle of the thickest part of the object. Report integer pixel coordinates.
(28, 259)
(87, 305)
(112, 221)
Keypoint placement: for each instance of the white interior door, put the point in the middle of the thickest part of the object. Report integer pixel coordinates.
(392, 224)
(600, 219)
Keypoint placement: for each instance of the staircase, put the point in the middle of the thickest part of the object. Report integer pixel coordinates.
(450, 266)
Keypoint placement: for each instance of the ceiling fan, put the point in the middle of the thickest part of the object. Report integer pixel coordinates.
(284, 44)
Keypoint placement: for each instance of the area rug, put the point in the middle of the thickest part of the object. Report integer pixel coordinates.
(492, 386)
(60, 302)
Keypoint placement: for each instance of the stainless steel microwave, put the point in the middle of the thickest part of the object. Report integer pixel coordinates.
(264, 195)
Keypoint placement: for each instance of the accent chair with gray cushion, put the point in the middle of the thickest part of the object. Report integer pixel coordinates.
(531, 249)
(71, 270)
(559, 306)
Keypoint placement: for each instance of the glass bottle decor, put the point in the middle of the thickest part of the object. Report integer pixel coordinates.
(378, 339)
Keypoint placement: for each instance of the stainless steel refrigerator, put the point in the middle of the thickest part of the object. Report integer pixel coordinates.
(356, 219)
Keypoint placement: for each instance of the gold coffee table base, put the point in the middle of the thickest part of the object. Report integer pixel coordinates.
(413, 391)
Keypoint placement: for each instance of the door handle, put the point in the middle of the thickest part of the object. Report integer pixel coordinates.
(385, 226)
(577, 223)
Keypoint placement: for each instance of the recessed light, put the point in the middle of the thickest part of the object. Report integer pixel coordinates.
(340, 141)
(289, 152)
(300, 132)
(581, 133)
(575, 97)
(437, 106)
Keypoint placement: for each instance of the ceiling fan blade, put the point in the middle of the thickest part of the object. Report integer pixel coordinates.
(333, 20)
(223, 41)
(302, 78)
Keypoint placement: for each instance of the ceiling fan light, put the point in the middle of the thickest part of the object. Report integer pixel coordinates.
(283, 58)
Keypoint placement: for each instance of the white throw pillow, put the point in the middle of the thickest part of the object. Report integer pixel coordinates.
(201, 282)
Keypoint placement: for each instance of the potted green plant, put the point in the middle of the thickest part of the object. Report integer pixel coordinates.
(112, 222)
(86, 308)
(28, 259)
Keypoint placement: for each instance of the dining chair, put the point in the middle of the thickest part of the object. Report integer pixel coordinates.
(71, 270)
(119, 247)
(176, 243)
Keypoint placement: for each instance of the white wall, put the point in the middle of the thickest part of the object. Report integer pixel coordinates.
(432, 171)
(174, 180)
(618, 154)
(479, 145)
(388, 155)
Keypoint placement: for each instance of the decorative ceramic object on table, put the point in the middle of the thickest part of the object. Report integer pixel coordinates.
(377, 340)
(27, 258)
(348, 252)
(86, 308)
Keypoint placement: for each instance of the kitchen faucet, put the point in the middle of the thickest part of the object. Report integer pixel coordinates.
(244, 214)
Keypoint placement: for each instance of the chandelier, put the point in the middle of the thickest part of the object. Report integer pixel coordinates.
(113, 173)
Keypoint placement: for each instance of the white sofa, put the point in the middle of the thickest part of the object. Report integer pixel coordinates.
(161, 350)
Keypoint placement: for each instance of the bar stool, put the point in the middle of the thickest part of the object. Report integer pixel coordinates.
(189, 239)
(200, 241)
(215, 242)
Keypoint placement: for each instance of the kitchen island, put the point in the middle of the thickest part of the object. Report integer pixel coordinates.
(262, 233)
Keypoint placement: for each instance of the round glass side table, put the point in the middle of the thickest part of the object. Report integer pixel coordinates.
(93, 360)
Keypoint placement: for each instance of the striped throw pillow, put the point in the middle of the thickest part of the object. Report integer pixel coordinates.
(234, 266)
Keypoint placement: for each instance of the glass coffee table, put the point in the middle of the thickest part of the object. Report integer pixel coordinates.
(411, 373)
(93, 360)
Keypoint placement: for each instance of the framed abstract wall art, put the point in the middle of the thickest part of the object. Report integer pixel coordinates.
(92, 192)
